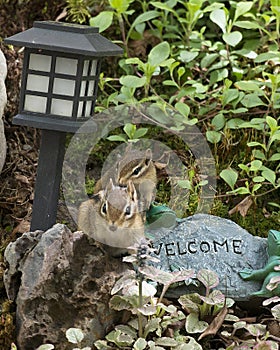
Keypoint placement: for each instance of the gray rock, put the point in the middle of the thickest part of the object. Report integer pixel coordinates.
(59, 280)
(208, 242)
(3, 101)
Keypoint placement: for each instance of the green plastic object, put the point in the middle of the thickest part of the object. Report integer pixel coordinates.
(160, 216)
(270, 273)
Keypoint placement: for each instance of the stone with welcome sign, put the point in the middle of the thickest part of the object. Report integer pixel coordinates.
(208, 242)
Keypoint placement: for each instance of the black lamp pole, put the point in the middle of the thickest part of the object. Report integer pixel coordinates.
(59, 86)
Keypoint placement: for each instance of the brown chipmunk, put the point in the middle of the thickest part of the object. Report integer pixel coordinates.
(112, 217)
(138, 167)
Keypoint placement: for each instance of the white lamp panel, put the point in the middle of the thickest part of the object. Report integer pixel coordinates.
(64, 87)
(35, 104)
(66, 65)
(37, 83)
(40, 62)
(61, 107)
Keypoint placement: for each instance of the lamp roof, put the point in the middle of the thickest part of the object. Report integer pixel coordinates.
(67, 38)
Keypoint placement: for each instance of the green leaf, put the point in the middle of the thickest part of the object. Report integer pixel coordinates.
(258, 179)
(152, 326)
(218, 16)
(183, 108)
(102, 345)
(45, 347)
(166, 278)
(159, 53)
(256, 165)
(119, 338)
(247, 25)
(190, 302)
(144, 17)
(229, 96)
(266, 56)
(269, 175)
(242, 7)
(121, 138)
(103, 20)
(140, 133)
(218, 121)
(272, 123)
(241, 190)
(140, 344)
(132, 81)
(216, 297)
(274, 157)
(230, 176)
(188, 56)
(129, 129)
(194, 325)
(247, 85)
(166, 341)
(120, 6)
(213, 136)
(232, 38)
(74, 335)
(256, 144)
(276, 312)
(208, 59)
(208, 278)
(252, 100)
(185, 184)
(256, 188)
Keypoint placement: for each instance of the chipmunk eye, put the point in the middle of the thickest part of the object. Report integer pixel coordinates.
(127, 210)
(137, 170)
(104, 209)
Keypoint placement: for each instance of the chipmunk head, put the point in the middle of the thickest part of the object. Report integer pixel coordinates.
(118, 206)
(136, 166)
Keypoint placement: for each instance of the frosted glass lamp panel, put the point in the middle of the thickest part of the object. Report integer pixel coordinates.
(66, 65)
(64, 87)
(35, 104)
(80, 110)
(87, 110)
(93, 68)
(40, 62)
(37, 83)
(62, 107)
(90, 88)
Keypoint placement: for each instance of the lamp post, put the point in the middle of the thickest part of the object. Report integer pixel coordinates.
(59, 85)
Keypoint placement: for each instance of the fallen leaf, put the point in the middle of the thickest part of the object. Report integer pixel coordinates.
(242, 207)
(22, 227)
(216, 324)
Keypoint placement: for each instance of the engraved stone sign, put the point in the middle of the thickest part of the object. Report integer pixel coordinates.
(208, 242)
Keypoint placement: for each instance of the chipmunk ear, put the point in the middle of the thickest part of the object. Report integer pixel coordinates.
(149, 156)
(110, 186)
(132, 190)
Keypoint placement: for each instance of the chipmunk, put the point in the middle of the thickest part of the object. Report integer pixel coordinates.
(112, 217)
(138, 167)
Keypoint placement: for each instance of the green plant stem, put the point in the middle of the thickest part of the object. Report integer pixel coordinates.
(140, 290)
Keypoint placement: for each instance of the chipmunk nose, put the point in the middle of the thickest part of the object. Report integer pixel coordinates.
(113, 228)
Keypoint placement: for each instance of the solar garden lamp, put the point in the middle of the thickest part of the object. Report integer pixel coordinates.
(59, 85)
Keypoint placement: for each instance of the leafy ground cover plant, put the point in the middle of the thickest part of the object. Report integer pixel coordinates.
(217, 65)
(197, 321)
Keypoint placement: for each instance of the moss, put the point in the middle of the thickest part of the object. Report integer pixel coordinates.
(256, 221)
